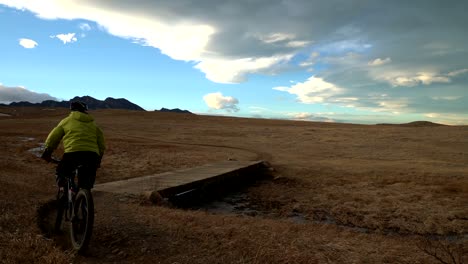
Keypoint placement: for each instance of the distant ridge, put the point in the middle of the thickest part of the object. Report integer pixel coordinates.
(422, 124)
(108, 103)
(416, 124)
(175, 110)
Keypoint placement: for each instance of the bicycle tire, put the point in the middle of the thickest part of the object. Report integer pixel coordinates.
(81, 226)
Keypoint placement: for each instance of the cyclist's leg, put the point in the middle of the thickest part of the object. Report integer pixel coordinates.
(87, 176)
(64, 168)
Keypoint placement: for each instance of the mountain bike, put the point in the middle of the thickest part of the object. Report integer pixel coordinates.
(75, 206)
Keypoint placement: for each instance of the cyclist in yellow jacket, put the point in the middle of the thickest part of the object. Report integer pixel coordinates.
(83, 144)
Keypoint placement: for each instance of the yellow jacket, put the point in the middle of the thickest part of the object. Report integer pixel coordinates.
(79, 133)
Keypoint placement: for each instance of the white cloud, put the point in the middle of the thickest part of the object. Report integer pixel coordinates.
(66, 38)
(305, 116)
(185, 42)
(85, 27)
(317, 90)
(379, 62)
(408, 79)
(448, 119)
(276, 37)
(282, 88)
(176, 37)
(286, 39)
(457, 72)
(298, 44)
(218, 101)
(311, 60)
(395, 106)
(441, 49)
(432, 115)
(19, 93)
(446, 98)
(27, 43)
(428, 78)
(306, 64)
(345, 46)
(314, 90)
(258, 109)
(235, 71)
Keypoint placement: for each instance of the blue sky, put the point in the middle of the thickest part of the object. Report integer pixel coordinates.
(331, 61)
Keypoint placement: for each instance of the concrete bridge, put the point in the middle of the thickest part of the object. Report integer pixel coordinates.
(177, 184)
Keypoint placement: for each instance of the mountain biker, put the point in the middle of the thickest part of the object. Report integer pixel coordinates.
(83, 143)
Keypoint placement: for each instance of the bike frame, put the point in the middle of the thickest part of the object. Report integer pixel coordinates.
(77, 207)
(71, 191)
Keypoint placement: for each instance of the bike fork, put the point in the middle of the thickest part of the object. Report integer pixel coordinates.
(69, 209)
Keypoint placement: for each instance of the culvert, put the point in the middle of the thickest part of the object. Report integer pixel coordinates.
(182, 186)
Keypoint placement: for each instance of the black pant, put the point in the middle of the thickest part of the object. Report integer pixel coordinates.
(86, 161)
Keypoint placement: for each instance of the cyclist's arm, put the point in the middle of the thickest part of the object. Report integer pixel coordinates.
(54, 138)
(52, 142)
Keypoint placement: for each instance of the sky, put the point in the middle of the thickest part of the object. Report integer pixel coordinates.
(361, 61)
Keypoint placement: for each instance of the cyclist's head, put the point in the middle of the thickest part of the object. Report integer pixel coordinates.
(78, 106)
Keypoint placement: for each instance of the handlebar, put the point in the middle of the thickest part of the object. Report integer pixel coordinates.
(54, 160)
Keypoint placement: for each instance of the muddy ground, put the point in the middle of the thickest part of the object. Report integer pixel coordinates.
(339, 193)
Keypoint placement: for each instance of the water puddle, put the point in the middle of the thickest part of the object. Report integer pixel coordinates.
(236, 203)
(26, 139)
(37, 151)
(241, 204)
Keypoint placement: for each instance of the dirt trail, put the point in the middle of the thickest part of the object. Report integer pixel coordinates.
(259, 154)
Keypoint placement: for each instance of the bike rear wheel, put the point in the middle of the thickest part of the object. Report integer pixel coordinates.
(82, 221)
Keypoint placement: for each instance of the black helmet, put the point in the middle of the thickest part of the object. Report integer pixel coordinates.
(78, 106)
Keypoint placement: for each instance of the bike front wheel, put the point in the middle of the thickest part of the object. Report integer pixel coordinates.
(82, 221)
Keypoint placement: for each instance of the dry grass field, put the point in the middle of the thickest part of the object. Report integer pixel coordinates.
(362, 193)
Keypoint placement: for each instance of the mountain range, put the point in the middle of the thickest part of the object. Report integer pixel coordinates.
(93, 103)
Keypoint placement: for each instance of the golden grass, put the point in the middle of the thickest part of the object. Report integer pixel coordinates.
(368, 193)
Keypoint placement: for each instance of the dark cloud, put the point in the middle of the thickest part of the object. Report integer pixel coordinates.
(414, 36)
(237, 22)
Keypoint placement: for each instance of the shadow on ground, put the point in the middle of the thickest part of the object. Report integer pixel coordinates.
(46, 214)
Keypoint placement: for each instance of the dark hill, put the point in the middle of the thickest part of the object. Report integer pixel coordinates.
(416, 124)
(175, 110)
(108, 103)
(421, 124)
